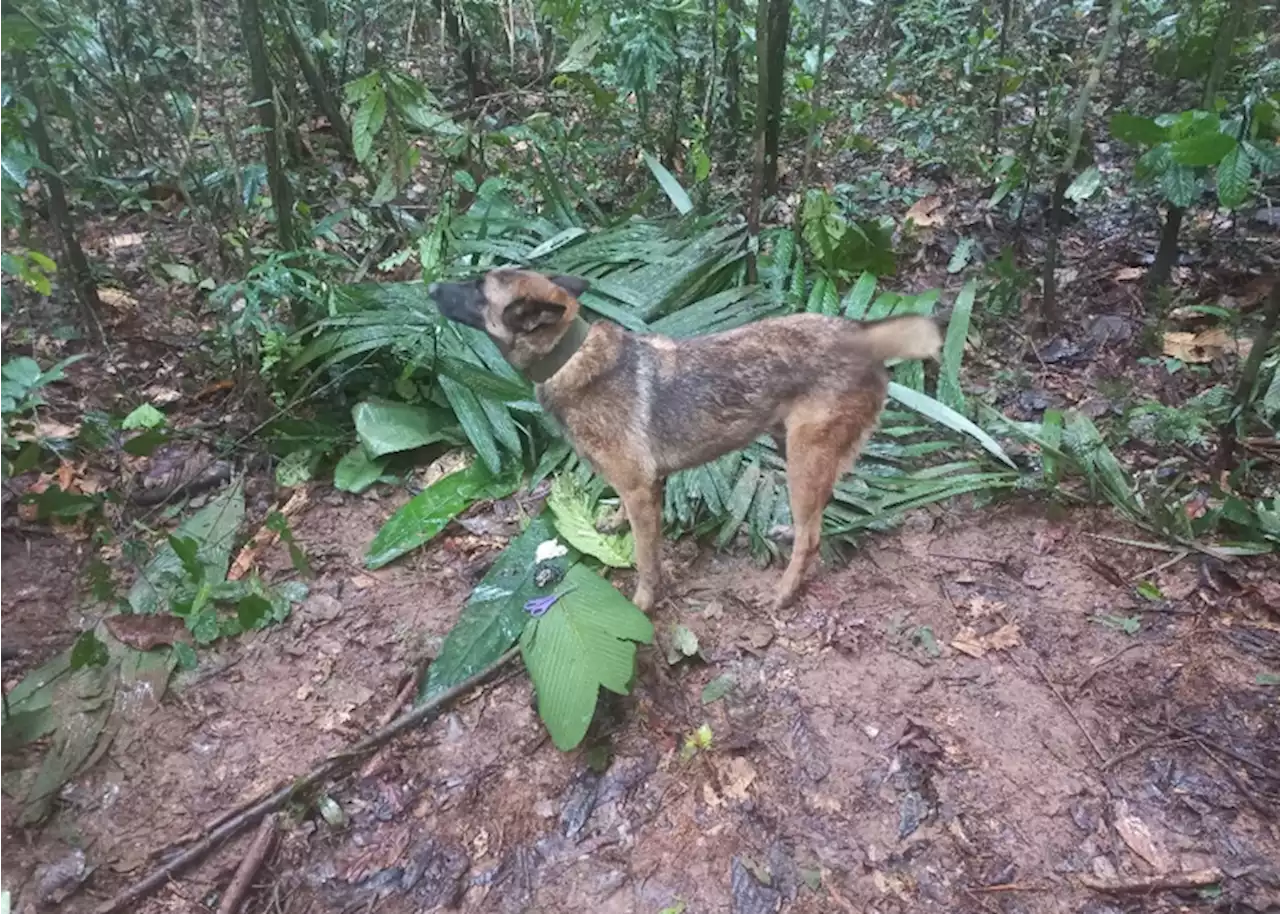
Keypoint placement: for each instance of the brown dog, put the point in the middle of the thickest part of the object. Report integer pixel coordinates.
(641, 407)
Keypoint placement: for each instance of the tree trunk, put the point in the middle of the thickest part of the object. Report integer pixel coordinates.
(75, 265)
(263, 98)
(1222, 48)
(732, 64)
(1167, 253)
(460, 37)
(779, 34)
(997, 107)
(759, 156)
(316, 79)
(1075, 130)
(1244, 396)
(815, 96)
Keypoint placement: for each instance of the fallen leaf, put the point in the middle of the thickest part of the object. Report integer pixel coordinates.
(1005, 637)
(1129, 274)
(967, 641)
(980, 607)
(124, 240)
(162, 396)
(1204, 346)
(143, 633)
(736, 777)
(1137, 835)
(44, 429)
(925, 212)
(117, 299)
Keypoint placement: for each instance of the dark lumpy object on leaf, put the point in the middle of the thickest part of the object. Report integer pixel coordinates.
(547, 573)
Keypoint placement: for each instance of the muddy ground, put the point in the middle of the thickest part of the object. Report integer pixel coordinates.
(861, 762)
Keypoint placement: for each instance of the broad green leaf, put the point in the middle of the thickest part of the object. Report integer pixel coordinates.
(679, 198)
(744, 491)
(431, 510)
(1202, 149)
(575, 521)
(1137, 131)
(475, 422)
(88, 650)
(368, 120)
(945, 415)
(1180, 185)
(31, 712)
(296, 468)
(859, 297)
(494, 614)
(949, 391)
(717, 688)
(355, 472)
(145, 416)
(1233, 174)
(1085, 185)
(180, 272)
(386, 428)
(584, 641)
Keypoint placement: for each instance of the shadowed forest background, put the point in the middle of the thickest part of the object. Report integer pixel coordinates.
(252, 479)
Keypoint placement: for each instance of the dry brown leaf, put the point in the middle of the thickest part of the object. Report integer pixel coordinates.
(444, 465)
(1005, 637)
(925, 212)
(736, 777)
(1204, 346)
(143, 633)
(980, 607)
(46, 428)
(125, 240)
(1137, 835)
(117, 299)
(1129, 274)
(968, 642)
(265, 537)
(162, 396)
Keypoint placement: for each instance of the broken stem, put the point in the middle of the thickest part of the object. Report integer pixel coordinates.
(249, 866)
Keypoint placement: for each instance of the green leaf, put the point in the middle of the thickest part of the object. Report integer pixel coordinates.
(23, 373)
(953, 348)
(717, 688)
(430, 511)
(576, 522)
(1085, 185)
(214, 527)
(1233, 174)
(1137, 131)
(1149, 591)
(859, 297)
(355, 472)
(961, 256)
(145, 416)
(185, 655)
(494, 615)
(254, 611)
(180, 272)
(367, 122)
(1180, 185)
(88, 650)
(475, 422)
(1202, 149)
(679, 198)
(684, 643)
(586, 640)
(145, 445)
(296, 468)
(946, 416)
(386, 428)
(188, 552)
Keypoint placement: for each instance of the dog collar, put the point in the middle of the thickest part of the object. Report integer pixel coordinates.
(542, 370)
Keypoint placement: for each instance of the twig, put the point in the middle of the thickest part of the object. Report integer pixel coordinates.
(1088, 677)
(1162, 740)
(1070, 710)
(1227, 750)
(258, 850)
(1155, 569)
(1010, 887)
(329, 766)
(1259, 806)
(999, 563)
(1196, 879)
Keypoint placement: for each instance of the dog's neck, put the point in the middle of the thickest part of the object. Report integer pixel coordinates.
(541, 370)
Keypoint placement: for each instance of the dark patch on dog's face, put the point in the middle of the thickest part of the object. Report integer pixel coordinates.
(524, 313)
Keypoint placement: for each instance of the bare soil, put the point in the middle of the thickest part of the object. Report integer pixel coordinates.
(860, 763)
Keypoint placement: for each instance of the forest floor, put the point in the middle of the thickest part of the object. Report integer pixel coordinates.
(975, 713)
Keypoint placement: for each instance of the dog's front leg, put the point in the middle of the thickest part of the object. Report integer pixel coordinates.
(644, 510)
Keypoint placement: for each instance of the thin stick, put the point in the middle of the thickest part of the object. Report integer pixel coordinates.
(1070, 710)
(1197, 879)
(1088, 677)
(258, 850)
(331, 765)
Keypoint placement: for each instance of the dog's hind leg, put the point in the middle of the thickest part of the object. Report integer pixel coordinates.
(823, 438)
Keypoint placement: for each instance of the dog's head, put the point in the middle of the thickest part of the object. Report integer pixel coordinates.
(524, 313)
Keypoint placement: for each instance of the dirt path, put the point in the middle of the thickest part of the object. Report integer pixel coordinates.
(859, 763)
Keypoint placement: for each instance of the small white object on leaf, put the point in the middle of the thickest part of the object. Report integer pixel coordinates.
(550, 549)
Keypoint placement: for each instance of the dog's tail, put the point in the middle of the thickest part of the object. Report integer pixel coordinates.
(903, 338)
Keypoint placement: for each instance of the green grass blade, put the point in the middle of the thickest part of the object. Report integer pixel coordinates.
(953, 348)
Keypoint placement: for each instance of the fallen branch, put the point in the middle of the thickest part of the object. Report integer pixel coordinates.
(1170, 882)
(328, 767)
(249, 866)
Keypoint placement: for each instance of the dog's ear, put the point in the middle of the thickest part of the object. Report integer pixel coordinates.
(574, 285)
(526, 315)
